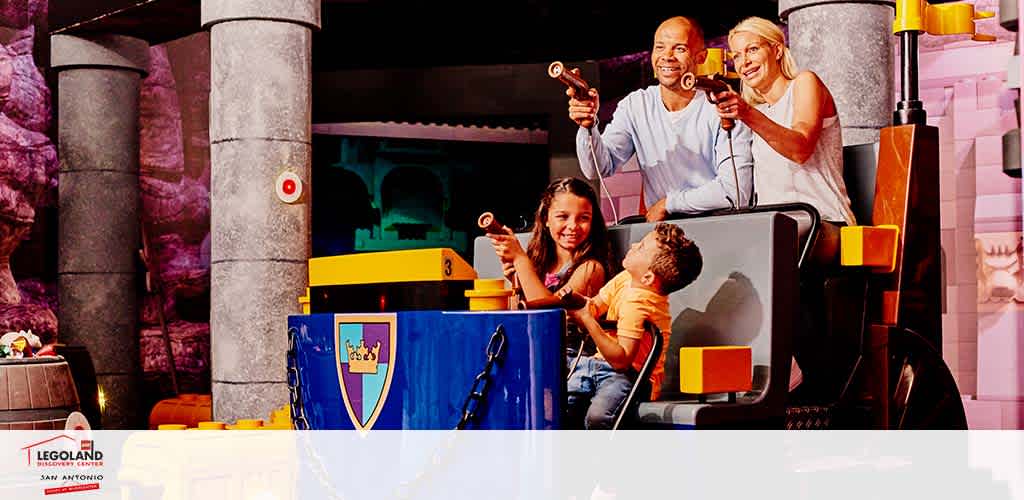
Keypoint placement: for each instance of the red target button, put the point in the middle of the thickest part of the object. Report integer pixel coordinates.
(289, 187)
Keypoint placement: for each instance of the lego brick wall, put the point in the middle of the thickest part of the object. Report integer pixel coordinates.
(963, 85)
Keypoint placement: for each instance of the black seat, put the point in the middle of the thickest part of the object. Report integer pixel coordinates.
(641, 390)
(830, 341)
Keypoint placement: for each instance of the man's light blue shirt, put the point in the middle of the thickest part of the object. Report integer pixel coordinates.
(686, 161)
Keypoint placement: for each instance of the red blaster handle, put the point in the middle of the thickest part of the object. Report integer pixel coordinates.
(557, 71)
(490, 224)
(711, 86)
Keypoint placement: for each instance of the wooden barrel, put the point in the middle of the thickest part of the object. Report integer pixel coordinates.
(36, 393)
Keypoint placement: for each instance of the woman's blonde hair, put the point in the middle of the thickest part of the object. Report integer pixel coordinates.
(774, 35)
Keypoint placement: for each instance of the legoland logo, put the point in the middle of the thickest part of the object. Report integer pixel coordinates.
(63, 451)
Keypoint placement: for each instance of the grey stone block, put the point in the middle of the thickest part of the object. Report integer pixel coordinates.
(854, 136)
(297, 11)
(786, 7)
(99, 222)
(122, 408)
(99, 311)
(234, 401)
(249, 307)
(99, 120)
(247, 220)
(260, 75)
(106, 50)
(849, 45)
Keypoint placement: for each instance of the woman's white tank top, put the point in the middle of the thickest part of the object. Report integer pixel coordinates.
(819, 181)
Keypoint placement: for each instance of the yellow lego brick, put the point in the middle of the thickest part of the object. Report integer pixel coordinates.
(715, 369)
(954, 19)
(304, 302)
(430, 264)
(910, 16)
(714, 64)
(869, 246)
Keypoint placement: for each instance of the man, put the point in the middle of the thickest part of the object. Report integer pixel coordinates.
(676, 134)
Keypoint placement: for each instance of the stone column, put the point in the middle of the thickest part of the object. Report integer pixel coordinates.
(848, 43)
(98, 235)
(260, 126)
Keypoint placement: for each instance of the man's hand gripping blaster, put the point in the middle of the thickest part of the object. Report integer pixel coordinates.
(571, 79)
(712, 86)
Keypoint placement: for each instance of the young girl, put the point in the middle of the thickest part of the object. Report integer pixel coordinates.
(569, 245)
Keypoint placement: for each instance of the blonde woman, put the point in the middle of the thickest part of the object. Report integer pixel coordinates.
(798, 147)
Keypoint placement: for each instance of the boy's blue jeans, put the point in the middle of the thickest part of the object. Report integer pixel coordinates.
(599, 390)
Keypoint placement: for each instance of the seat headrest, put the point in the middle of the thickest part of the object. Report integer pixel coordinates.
(860, 165)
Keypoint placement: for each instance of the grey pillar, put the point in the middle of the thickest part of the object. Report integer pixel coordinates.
(260, 126)
(98, 234)
(848, 43)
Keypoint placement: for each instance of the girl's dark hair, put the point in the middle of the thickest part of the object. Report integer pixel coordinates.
(542, 248)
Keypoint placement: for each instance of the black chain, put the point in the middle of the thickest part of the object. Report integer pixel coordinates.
(295, 385)
(482, 383)
(477, 395)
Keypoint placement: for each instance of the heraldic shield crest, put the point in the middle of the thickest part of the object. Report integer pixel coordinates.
(365, 350)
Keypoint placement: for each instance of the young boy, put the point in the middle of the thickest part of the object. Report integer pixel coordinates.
(661, 263)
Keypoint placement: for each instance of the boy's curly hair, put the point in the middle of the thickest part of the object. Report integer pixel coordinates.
(678, 262)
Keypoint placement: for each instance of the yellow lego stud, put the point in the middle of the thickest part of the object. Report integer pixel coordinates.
(171, 427)
(211, 426)
(715, 369)
(248, 424)
(488, 295)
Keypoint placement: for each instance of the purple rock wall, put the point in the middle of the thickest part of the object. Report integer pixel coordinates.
(28, 163)
(20, 14)
(174, 186)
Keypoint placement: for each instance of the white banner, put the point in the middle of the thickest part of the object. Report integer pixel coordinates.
(284, 465)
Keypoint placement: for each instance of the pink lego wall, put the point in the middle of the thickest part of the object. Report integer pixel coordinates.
(963, 85)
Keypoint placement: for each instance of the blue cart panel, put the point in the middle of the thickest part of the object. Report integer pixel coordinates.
(415, 369)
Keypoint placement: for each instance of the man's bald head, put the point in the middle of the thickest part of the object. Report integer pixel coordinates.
(696, 40)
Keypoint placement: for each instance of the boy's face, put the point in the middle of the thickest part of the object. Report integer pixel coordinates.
(641, 255)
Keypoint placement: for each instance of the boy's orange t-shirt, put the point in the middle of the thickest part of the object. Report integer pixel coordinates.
(629, 307)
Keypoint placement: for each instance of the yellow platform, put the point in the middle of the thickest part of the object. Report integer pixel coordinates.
(430, 264)
(715, 369)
